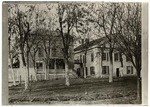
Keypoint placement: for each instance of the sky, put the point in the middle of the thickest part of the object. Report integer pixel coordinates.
(51, 14)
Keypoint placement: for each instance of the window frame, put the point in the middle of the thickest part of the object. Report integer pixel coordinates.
(84, 58)
(39, 70)
(52, 63)
(60, 62)
(105, 56)
(92, 70)
(130, 69)
(107, 70)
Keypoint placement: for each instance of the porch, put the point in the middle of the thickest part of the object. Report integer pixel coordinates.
(18, 75)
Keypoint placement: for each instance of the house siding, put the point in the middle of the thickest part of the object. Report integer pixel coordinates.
(98, 63)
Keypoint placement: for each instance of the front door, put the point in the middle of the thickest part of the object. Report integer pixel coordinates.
(86, 71)
(117, 72)
(79, 72)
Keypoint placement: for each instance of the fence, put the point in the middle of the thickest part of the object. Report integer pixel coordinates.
(18, 74)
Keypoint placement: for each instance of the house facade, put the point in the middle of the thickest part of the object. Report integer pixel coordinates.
(46, 60)
(97, 60)
(49, 60)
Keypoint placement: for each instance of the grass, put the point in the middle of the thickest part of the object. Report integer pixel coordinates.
(82, 91)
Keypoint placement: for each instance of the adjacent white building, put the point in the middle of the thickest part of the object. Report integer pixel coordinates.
(97, 60)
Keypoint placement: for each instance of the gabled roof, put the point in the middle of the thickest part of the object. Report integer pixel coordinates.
(98, 41)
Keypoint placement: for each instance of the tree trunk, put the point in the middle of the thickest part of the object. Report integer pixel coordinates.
(84, 64)
(34, 65)
(23, 69)
(111, 73)
(13, 76)
(102, 50)
(12, 71)
(28, 73)
(55, 69)
(67, 73)
(35, 72)
(46, 73)
(121, 68)
(111, 67)
(121, 60)
(84, 70)
(47, 70)
(35, 75)
(139, 89)
(101, 66)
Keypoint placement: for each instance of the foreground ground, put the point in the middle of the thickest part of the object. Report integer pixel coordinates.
(81, 91)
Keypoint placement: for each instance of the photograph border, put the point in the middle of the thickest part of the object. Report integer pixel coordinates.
(144, 47)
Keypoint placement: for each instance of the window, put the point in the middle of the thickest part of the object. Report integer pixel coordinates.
(80, 58)
(129, 70)
(39, 66)
(105, 56)
(92, 57)
(60, 64)
(78, 72)
(92, 70)
(40, 52)
(86, 71)
(105, 70)
(51, 63)
(84, 59)
(116, 56)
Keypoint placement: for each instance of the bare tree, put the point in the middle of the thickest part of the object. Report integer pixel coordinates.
(46, 39)
(34, 42)
(35, 39)
(23, 26)
(68, 14)
(83, 30)
(104, 17)
(129, 37)
(13, 48)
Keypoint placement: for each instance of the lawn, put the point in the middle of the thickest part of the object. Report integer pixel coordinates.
(81, 91)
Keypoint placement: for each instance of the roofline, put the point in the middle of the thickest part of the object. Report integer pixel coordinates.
(82, 45)
(90, 49)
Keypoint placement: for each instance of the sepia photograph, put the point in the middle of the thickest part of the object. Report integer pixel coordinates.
(73, 52)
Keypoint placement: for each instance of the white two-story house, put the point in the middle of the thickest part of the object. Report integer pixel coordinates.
(97, 60)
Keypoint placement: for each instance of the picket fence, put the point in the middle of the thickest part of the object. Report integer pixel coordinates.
(19, 75)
